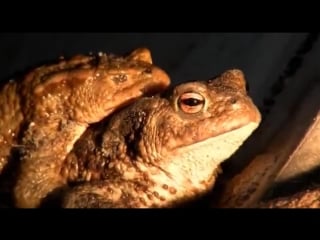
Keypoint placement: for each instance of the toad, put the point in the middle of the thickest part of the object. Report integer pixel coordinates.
(161, 151)
(48, 110)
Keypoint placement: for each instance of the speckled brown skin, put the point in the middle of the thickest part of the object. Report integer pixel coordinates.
(11, 117)
(53, 106)
(161, 151)
(309, 198)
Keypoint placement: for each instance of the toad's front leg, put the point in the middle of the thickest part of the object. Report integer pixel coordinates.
(47, 144)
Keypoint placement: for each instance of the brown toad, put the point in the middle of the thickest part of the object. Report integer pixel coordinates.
(51, 107)
(161, 150)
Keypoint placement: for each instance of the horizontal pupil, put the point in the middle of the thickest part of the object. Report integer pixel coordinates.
(192, 101)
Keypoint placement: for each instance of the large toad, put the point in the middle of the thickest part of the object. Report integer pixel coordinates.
(161, 150)
(45, 113)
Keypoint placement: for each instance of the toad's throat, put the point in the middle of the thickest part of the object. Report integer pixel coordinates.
(192, 169)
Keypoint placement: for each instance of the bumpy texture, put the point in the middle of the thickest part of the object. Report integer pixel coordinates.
(161, 151)
(47, 111)
(309, 198)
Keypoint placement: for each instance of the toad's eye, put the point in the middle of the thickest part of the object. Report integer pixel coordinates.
(191, 102)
